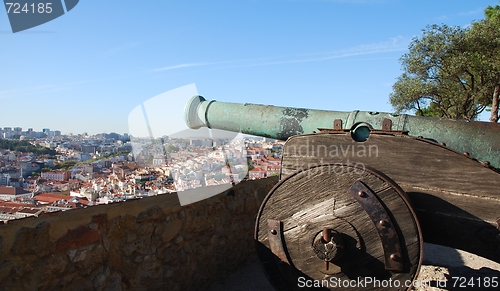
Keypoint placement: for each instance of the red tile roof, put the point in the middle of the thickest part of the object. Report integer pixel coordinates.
(50, 198)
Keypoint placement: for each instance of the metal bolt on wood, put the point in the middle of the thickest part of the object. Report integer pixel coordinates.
(395, 257)
(327, 238)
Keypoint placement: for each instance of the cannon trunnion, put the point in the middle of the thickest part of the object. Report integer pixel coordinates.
(356, 199)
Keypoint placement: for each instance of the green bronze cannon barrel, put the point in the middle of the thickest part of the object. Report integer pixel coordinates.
(481, 140)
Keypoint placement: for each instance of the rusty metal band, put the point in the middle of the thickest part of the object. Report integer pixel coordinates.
(337, 124)
(383, 223)
(274, 234)
(386, 124)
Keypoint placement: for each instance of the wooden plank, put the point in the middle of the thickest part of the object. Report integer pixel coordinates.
(398, 157)
(442, 184)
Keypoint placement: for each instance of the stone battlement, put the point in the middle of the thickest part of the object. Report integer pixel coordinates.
(146, 244)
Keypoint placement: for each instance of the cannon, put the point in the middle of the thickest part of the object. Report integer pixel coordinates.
(359, 191)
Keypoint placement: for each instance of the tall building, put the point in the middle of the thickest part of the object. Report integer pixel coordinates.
(5, 179)
(7, 132)
(89, 149)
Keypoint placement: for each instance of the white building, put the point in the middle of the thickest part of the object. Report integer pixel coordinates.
(8, 193)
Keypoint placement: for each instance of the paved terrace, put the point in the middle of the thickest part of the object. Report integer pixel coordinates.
(440, 264)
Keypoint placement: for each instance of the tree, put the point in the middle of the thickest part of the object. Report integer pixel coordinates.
(484, 36)
(431, 110)
(452, 72)
(25, 146)
(430, 75)
(66, 165)
(492, 12)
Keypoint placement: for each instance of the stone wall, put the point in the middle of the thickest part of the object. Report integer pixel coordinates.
(146, 244)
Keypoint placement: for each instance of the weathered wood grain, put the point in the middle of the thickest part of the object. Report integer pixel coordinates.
(453, 195)
(306, 201)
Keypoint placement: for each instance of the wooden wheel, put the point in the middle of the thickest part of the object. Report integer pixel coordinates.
(338, 225)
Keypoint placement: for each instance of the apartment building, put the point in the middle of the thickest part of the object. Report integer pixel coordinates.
(56, 176)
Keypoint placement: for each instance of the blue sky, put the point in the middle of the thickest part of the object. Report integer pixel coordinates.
(87, 70)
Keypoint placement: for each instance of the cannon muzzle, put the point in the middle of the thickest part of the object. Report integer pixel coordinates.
(480, 140)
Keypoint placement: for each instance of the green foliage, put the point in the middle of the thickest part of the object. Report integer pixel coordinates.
(484, 54)
(492, 12)
(171, 148)
(432, 110)
(67, 165)
(25, 147)
(455, 70)
(250, 164)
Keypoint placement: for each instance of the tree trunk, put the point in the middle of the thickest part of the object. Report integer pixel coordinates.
(494, 104)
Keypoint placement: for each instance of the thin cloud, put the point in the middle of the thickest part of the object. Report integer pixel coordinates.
(477, 11)
(394, 44)
(187, 65)
(398, 43)
(442, 17)
(12, 93)
(181, 66)
(471, 12)
(7, 93)
(25, 91)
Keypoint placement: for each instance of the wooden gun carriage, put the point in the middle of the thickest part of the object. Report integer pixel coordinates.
(359, 191)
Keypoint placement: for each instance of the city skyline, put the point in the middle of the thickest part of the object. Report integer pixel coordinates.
(89, 70)
(46, 129)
